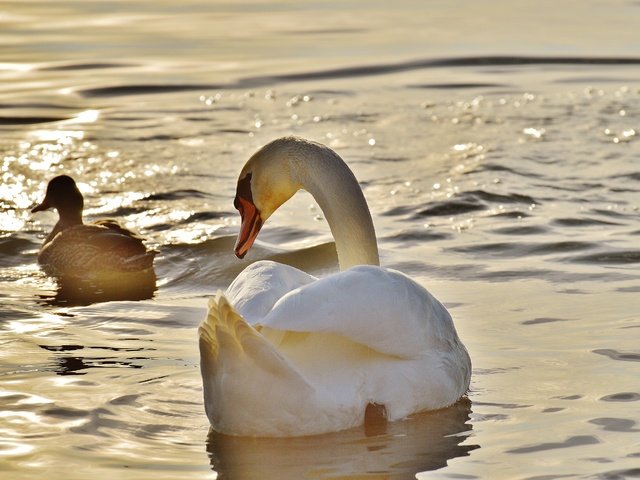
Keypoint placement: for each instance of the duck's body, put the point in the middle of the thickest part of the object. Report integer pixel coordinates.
(286, 354)
(94, 250)
(102, 249)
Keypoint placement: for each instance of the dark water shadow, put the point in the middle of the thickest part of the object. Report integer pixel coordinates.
(397, 450)
(72, 291)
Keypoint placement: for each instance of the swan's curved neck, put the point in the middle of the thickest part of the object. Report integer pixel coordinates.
(333, 185)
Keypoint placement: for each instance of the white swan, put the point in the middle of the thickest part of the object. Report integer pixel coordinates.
(286, 354)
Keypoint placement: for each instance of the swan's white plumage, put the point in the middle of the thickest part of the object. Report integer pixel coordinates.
(259, 286)
(313, 353)
(284, 353)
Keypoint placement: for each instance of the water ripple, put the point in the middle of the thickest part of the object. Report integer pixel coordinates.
(420, 64)
(143, 89)
(523, 249)
(472, 201)
(622, 397)
(458, 85)
(581, 222)
(624, 425)
(32, 120)
(178, 195)
(85, 66)
(347, 72)
(617, 355)
(622, 257)
(623, 474)
(574, 441)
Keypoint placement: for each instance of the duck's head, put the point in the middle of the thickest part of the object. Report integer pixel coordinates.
(267, 180)
(63, 195)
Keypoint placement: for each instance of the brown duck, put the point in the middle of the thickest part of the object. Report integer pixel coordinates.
(98, 250)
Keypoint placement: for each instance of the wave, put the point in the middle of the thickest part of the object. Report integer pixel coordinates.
(617, 355)
(458, 85)
(484, 61)
(522, 249)
(212, 264)
(368, 70)
(144, 89)
(622, 257)
(472, 201)
(178, 194)
(17, 249)
(581, 222)
(32, 120)
(56, 67)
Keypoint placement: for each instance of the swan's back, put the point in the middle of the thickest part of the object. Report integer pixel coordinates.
(381, 308)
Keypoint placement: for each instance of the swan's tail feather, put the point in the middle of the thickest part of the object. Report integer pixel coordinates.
(225, 336)
(223, 327)
(245, 379)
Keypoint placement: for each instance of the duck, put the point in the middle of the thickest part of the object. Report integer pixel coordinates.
(286, 354)
(101, 250)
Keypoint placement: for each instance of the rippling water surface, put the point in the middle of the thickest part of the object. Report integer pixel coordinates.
(498, 147)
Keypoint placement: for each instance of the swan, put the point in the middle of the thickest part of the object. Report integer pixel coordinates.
(284, 354)
(98, 251)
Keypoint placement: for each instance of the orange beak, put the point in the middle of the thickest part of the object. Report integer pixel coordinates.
(250, 225)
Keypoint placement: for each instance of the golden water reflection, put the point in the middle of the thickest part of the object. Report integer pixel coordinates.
(121, 286)
(398, 450)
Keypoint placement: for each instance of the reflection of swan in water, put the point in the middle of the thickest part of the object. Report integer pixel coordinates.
(397, 450)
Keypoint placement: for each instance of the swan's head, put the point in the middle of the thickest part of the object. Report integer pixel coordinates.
(63, 195)
(265, 183)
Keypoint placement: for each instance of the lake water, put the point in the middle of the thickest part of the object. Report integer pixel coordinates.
(498, 145)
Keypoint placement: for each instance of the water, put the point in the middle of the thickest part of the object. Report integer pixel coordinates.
(497, 144)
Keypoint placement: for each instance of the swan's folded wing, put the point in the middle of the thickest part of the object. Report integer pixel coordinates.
(382, 309)
(259, 286)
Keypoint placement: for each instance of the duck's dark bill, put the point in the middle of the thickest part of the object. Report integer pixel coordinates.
(41, 207)
(249, 228)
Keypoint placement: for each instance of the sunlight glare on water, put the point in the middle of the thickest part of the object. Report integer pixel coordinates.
(498, 150)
